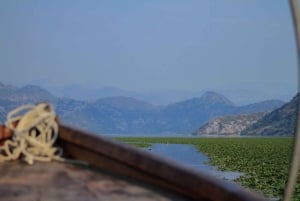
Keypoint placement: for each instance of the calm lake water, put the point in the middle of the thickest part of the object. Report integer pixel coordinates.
(189, 156)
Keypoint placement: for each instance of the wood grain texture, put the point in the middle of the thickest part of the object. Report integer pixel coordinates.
(66, 182)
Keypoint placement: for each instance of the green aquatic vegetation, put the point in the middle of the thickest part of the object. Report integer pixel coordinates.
(264, 161)
(139, 144)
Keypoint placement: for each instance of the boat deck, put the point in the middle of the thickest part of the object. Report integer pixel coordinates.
(67, 182)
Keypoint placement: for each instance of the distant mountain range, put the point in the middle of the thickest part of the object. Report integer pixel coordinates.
(158, 97)
(127, 115)
(239, 96)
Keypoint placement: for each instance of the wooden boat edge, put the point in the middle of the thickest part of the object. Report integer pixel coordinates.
(115, 157)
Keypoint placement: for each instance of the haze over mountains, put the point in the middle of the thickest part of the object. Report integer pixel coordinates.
(238, 95)
(127, 115)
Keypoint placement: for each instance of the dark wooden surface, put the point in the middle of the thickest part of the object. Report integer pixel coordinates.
(135, 164)
(66, 182)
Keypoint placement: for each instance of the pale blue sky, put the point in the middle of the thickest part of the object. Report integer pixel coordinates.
(139, 45)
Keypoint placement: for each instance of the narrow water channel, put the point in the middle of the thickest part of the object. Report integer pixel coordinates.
(191, 157)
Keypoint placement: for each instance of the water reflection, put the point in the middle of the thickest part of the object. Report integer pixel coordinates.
(189, 156)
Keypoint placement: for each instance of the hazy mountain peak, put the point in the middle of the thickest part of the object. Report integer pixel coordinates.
(30, 88)
(33, 89)
(215, 98)
(34, 93)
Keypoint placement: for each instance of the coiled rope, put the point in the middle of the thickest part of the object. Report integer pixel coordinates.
(33, 136)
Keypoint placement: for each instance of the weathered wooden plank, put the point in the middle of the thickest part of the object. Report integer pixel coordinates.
(109, 155)
(66, 182)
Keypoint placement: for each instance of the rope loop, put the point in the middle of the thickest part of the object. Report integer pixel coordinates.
(34, 134)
